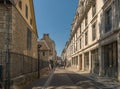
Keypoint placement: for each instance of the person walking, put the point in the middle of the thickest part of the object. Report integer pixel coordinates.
(64, 64)
(51, 64)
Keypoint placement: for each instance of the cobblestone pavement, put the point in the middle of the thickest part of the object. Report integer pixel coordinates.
(108, 83)
(66, 79)
(39, 82)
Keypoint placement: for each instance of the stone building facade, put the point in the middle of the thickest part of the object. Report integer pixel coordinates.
(18, 34)
(18, 20)
(47, 50)
(44, 50)
(93, 45)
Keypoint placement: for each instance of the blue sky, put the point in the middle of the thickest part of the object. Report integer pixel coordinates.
(55, 18)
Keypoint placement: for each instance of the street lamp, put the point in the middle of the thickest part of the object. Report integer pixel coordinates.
(39, 46)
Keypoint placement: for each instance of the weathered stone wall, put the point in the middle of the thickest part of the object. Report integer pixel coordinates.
(17, 27)
(5, 25)
(19, 35)
(22, 81)
(18, 32)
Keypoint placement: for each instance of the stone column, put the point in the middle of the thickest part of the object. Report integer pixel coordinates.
(78, 62)
(83, 62)
(72, 62)
(101, 62)
(90, 61)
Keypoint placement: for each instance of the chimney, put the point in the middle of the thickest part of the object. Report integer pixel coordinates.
(45, 36)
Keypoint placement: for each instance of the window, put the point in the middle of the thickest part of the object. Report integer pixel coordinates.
(30, 21)
(43, 53)
(86, 20)
(76, 46)
(94, 32)
(80, 43)
(108, 20)
(86, 38)
(29, 39)
(94, 9)
(80, 29)
(26, 11)
(20, 4)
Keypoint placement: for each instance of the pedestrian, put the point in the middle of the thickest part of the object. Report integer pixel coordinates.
(51, 64)
(64, 64)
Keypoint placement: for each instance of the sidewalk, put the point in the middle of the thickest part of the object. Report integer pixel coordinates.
(109, 83)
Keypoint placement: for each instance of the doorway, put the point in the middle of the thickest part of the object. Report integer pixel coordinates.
(111, 60)
(95, 61)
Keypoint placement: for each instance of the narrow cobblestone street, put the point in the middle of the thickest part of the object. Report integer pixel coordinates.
(59, 44)
(64, 79)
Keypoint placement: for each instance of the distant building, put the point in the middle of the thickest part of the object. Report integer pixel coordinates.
(59, 59)
(44, 50)
(93, 45)
(47, 49)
